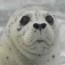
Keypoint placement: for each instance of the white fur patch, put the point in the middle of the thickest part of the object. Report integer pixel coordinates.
(26, 45)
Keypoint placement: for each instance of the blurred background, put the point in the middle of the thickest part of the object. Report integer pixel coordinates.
(8, 7)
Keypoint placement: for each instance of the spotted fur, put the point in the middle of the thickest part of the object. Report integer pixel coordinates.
(26, 45)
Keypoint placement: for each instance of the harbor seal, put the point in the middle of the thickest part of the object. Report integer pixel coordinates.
(30, 38)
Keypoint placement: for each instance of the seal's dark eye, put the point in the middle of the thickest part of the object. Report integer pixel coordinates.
(49, 19)
(24, 20)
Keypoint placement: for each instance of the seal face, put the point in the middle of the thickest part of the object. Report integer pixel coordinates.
(30, 38)
(33, 29)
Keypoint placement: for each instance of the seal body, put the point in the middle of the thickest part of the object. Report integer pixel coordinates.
(30, 38)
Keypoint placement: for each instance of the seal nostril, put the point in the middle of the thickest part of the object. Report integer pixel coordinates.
(43, 25)
(35, 25)
(39, 26)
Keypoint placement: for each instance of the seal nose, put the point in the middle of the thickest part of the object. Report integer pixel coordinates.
(39, 26)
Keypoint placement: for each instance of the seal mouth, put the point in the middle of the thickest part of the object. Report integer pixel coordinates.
(43, 41)
(40, 41)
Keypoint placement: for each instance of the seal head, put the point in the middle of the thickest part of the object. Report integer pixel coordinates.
(33, 29)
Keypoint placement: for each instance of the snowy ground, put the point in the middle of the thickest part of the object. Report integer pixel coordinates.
(7, 7)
